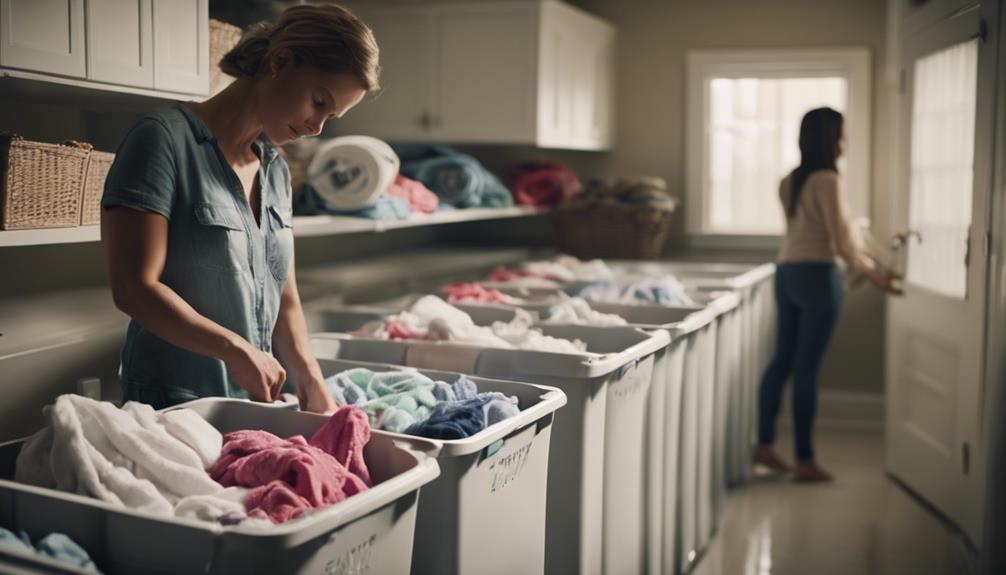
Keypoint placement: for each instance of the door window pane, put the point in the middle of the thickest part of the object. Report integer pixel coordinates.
(944, 93)
(754, 125)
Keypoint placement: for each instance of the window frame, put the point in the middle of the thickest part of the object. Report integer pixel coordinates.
(851, 63)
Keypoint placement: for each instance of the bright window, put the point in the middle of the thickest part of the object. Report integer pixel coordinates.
(744, 121)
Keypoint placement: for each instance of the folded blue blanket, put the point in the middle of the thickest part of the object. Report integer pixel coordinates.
(458, 179)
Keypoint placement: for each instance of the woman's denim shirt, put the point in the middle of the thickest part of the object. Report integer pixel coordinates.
(219, 260)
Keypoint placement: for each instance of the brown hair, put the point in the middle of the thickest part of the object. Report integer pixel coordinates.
(327, 37)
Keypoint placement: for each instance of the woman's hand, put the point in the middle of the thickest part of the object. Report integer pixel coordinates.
(884, 280)
(314, 397)
(256, 371)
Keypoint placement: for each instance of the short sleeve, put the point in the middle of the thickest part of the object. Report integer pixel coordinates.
(142, 176)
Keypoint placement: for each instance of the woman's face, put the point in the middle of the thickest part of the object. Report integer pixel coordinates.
(299, 98)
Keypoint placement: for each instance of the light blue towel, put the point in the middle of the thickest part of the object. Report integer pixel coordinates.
(384, 208)
(55, 546)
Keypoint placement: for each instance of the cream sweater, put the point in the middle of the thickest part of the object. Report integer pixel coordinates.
(820, 230)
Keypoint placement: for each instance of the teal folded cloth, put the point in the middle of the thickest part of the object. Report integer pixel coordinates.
(399, 401)
(385, 207)
(56, 546)
(458, 179)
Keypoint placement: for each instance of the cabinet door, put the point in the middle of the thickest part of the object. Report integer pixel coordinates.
(401, 111)
(575, 81)
(181, 46)
(120, 43)
(43, 36)
(487, 68)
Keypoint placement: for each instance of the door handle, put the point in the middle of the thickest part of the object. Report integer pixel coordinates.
(901, 239)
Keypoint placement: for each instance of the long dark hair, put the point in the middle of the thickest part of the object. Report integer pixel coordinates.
(820, 131)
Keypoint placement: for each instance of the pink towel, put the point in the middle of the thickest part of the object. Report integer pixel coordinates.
(289, 476)
(465, 292)
(419, 196)
(503, 274)
(543, 184)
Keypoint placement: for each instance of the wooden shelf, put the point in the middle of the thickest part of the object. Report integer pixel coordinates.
(303, 226)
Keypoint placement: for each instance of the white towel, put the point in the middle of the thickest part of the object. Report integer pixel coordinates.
(134, 456)
(432, 318)
(577, 311)
(350, 172)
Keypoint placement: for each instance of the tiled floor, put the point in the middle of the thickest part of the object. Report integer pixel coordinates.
(863, 524)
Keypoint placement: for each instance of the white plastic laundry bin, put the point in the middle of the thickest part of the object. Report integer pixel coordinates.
(368, 532)
(485, 514)
(606, 391)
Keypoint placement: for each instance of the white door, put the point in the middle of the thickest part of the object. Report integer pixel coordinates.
(935, 331)
(120, 42)
(181, 46)
(403, 109)
(486, 82)
(43, 36)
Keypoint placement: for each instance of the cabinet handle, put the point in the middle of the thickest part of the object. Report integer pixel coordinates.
(426, 121)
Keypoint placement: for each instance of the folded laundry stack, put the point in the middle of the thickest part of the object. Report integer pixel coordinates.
(543, 184)
(431, 318)
(458, 179)
(409, 402)
(175, 463)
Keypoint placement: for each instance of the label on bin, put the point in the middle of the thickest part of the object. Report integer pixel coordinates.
(507, 468)
(354, 561)
(630, 382)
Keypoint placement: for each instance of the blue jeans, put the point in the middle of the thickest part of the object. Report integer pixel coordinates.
(809, 301)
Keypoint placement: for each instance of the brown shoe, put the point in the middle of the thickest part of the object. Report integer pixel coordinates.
(766, 456)
(809, 472)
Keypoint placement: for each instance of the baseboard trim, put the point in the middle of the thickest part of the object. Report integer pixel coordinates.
(845, 410)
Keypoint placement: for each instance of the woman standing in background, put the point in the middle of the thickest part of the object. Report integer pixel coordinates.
(808, 287)
(196, 225)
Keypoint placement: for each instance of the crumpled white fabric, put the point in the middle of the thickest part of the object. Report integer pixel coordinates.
(132, 457)
(432, 318)
(570, 269)
(578, 311)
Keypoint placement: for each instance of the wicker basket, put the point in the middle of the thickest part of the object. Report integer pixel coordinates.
(611, 231)
(223, 37)
(42, 184)
(98, 164)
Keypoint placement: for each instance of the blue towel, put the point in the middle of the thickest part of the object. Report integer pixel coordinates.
(452, 420)
(463, 388)
(54, 546)
(458, 179)
(385, 208)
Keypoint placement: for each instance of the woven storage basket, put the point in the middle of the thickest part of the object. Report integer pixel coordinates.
(41, 184)
(223, 37)
(98, 164)
(611, 231)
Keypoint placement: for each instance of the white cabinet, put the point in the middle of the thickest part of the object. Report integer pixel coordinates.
(137, 44)
(531, 73)
(576, 82)
(403, 108)
(120, 42)
(43, 35)
(181, 46)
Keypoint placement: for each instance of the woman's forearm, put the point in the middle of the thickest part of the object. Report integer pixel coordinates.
(164, 313)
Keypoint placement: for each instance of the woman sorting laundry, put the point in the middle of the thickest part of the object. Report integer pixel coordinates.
(196, 225)
(808, 287)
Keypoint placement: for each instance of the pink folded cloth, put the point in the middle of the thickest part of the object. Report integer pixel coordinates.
(471, 292)
(503, 274)
(420, 198)
(290, 476)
